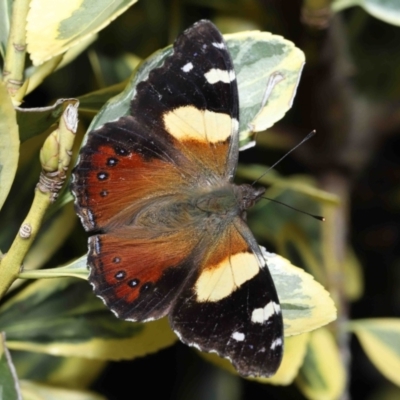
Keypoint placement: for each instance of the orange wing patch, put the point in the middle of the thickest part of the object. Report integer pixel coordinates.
(113, 182)
(134, 276)
(132, 179)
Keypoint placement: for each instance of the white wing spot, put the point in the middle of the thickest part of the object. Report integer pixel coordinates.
(238, 336)
(276, 343)
(219, 45)
(187, 67)
(260, 315)
(215, 75)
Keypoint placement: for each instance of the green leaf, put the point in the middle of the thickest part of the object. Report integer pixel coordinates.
(9, 144)
(63, 317)
(9, 386)
(75, 269)
(38, 391)
(380, 339)
(92, 102)
(34, 121)
(53, 27)
(385, 10)
(37, 74)
(305, 304)
(256, 56)
(69, 372)
(322, 375)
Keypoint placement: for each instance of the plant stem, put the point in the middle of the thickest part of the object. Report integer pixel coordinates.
(55, 157)
(14, 65)
(335, 238)
(11, 264)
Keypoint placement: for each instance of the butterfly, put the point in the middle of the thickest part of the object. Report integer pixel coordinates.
(168, 226)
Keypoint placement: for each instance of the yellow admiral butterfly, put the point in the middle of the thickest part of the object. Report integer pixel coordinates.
(169, 234)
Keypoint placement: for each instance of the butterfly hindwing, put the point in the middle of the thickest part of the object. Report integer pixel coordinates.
(230, 306)
(136, 276)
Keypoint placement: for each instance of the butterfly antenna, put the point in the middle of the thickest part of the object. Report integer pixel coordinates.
(319, 218)
(309, 136)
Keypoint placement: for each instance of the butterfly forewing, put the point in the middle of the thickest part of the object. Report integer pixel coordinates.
(193, 98)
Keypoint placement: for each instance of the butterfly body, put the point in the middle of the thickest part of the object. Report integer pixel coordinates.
(197, 207)
(168, 233)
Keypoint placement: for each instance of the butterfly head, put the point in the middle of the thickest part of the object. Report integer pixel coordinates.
(249, 195)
